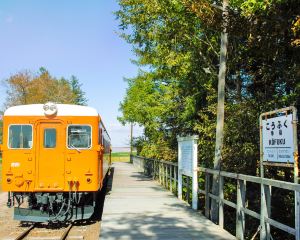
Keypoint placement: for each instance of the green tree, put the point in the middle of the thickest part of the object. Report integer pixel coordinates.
(27, 88)
(178, 43)
(78, 93)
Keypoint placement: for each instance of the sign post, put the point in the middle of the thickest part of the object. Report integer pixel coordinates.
(278, 142)
(278, 147)
(188, 165)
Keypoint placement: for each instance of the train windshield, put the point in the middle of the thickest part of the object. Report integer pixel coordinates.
(20, 136)
(50, 138)
(79, 136)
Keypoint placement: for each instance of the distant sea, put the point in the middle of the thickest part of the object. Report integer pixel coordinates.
(120, 149)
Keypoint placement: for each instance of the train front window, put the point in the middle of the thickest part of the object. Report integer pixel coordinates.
(50, 138)
(79, 136)
(20, 136)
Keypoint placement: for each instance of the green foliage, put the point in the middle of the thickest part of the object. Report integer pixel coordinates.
(120, 157)
(27, 88)
(251, 7)
(177, 41)
(138, 143)
(120, 154)
(79, 95)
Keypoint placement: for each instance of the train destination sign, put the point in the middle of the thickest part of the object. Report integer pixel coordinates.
(278, 142)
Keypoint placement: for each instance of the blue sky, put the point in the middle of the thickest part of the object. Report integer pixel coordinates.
(70, 38)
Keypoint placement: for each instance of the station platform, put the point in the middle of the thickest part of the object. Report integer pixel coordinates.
(139, 208)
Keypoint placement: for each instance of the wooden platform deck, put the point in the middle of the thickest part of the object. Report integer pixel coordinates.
(139, 208)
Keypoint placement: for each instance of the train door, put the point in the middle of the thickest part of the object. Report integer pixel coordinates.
(50, 156)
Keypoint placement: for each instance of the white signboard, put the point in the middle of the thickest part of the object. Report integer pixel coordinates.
(188, 165)
(186, 157)
(278, 142)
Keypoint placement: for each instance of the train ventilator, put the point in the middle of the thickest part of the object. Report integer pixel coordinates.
(55, 160)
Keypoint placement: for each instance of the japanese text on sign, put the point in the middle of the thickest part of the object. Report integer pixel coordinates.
(188, 165)
(187, 155)
(278, 144)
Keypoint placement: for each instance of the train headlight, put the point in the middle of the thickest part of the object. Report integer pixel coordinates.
(50, 108)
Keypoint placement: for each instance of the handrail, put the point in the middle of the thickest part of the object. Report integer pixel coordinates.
(162, 161)
(271, 182)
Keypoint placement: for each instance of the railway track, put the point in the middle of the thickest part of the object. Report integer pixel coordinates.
(25, 234)
(15, 230)
(11, 229)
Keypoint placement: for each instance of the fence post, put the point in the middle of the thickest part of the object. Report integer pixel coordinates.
(195, 190)
(195, 183)
(171, 182)
(154, 169)
(265, 211)
(175, 178)
(221, 203)
(163, 174)
(207, 198)
(146, 167)
(159, 171)
(166, 173)
(240, 203)
(179, 184)
(297, 215)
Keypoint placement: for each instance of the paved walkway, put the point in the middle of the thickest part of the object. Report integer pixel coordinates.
(3, 197)
(139, 208)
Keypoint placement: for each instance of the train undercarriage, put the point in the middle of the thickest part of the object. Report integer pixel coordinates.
(52, 207)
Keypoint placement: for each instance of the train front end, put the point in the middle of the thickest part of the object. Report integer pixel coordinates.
(52, 161)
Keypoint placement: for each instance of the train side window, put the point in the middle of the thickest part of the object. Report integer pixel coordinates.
(100, 136)
(79, 136)
(50, 138)
(20, 136)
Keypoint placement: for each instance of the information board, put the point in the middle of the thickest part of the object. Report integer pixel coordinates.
(278, 141)
(188, 165)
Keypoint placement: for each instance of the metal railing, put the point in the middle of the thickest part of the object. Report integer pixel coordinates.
(166, 173)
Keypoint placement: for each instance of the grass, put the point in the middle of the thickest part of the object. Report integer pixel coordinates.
(120, 157)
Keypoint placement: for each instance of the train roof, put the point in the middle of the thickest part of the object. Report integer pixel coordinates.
(62, 110)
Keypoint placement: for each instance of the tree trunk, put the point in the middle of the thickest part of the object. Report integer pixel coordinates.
(220, 113)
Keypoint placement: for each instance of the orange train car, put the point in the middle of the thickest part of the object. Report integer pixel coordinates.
(55, 158)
